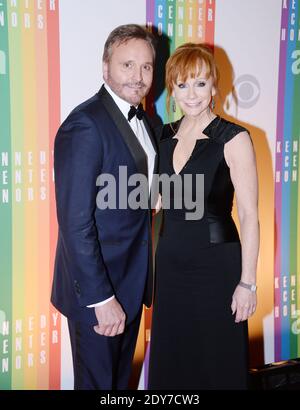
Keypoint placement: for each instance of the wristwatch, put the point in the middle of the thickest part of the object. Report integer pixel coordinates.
(251, 287)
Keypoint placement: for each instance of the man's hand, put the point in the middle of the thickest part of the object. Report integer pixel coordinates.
(111, 319)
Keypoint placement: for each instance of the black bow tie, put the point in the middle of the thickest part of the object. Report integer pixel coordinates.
(139, 112)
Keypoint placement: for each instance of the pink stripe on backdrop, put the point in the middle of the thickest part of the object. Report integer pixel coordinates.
(278, 186)
(210, 22)
(54, 122)
(43, 202)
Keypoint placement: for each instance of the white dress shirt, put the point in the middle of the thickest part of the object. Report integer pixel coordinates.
(141, 133)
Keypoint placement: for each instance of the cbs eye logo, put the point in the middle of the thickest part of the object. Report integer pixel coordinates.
(247, 91)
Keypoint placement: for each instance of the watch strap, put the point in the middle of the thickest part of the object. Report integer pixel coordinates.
(250, 286)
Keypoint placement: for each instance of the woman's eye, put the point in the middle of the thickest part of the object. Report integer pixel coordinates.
(181, 85)
(201, 84)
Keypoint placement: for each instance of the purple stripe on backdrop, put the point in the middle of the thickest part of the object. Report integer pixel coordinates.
(150, 11)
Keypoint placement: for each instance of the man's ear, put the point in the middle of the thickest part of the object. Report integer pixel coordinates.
(105, 70)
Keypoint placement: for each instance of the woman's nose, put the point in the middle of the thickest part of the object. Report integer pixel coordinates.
(191, 92)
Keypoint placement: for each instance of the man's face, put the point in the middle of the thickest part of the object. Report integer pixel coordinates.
(129, 70)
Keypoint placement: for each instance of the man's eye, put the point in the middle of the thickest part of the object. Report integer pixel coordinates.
(148, 67)
(127, 65)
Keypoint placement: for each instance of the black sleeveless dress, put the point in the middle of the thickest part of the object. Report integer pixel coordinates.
(195, 342)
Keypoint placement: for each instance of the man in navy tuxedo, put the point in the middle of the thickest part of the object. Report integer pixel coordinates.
(103, 268)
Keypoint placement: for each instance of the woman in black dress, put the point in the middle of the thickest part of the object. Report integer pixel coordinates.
(205, 277)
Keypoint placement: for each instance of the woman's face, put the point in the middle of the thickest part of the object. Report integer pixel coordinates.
(194, 95)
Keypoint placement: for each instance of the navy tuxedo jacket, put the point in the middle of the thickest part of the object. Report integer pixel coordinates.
(99, 252)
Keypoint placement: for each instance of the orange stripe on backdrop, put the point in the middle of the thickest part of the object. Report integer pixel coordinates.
(145, 326)
(194, 21)
(29, 200)
(54, 121)
(43, 196)
(210, 22)
(201, 22)
(190, 21)
(148, 312)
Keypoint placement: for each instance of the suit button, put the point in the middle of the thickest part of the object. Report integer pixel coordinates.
(77, 287)
(144, 242)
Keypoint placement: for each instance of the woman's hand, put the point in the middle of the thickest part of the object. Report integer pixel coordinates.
(243, 303)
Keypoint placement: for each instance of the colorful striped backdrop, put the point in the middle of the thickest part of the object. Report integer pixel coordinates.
(30, 350)
(29, 117)
(287, 188)
(180, 22)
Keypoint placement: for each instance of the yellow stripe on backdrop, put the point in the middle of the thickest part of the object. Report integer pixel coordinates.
(30, 237)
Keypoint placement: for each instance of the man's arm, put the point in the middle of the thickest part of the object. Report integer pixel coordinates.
(77, 161)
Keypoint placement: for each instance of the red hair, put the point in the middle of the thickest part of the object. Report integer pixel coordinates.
(188, 61)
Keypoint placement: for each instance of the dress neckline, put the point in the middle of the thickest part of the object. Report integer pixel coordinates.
(206, 131)
(197, 141)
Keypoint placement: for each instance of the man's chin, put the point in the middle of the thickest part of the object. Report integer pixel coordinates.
(135, 101)
(135, 97)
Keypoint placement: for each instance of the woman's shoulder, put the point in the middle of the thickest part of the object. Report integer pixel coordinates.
(223, 130)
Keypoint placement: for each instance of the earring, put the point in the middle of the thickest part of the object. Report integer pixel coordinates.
(174, 105)
(212, 104)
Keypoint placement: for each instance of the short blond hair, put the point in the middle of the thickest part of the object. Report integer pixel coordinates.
(124, 33)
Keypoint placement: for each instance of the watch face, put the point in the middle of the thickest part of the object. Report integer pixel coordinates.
(253, 288)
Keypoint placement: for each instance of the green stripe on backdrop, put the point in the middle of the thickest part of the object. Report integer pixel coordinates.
(295, 202)
(5, 208)
(293, 236)
(171, 23)
(17, 146)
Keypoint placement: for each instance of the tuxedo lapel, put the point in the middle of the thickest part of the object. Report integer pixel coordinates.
(125, 130)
